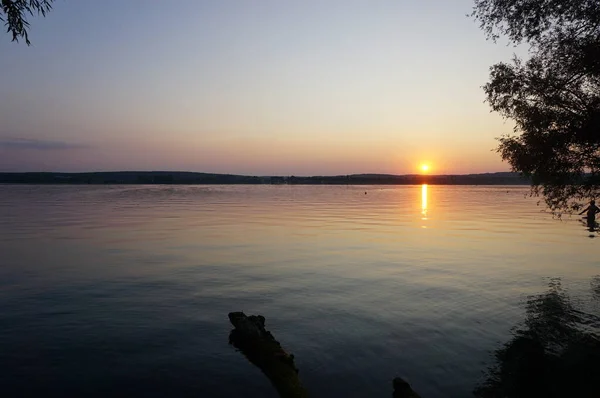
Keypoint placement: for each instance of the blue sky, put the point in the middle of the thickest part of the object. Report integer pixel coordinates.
(250, 87)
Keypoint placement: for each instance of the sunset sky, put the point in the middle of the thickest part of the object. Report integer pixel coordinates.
(251, 87)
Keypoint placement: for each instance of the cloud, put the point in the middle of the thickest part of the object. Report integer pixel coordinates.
(38, 145)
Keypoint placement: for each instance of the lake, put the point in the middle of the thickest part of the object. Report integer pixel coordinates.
(125, 290)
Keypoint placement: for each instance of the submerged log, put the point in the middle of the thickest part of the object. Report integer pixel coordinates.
(260, 347)
(403, 390)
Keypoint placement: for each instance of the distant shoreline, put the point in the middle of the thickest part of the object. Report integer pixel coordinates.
(192, 178)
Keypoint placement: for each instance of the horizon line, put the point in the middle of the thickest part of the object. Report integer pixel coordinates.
(255, 175)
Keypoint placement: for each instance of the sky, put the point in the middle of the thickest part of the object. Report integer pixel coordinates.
(259, 87)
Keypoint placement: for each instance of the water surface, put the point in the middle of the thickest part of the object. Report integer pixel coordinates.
(125, 289)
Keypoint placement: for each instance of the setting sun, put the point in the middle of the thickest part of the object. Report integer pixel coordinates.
(424, 168)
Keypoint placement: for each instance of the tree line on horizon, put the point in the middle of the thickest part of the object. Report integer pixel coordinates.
(168, 177)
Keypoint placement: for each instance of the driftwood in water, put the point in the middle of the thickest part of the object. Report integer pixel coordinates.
(260, 347)
(403, 390)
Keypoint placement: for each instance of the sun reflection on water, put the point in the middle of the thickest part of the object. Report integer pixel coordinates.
(424, 201)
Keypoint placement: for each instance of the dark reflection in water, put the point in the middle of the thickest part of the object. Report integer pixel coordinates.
(595, 286)
(555, 352)
(592, 226)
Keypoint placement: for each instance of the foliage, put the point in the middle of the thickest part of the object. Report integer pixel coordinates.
(14, 12)
(555, 351)
(553, 97)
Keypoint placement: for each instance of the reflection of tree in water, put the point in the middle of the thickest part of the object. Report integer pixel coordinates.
(591, 227)
(554, 353)
(595, 286)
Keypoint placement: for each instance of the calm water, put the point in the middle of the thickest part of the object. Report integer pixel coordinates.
(126, 289)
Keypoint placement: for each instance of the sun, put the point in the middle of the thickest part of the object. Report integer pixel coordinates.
(424, 167)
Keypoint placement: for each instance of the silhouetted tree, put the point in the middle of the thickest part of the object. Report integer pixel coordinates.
(555, 351)
(14, 12)
(553, 97)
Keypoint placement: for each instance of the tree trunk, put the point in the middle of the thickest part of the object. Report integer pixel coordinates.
(260, 347)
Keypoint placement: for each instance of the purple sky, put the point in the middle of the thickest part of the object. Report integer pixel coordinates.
(270, 87)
